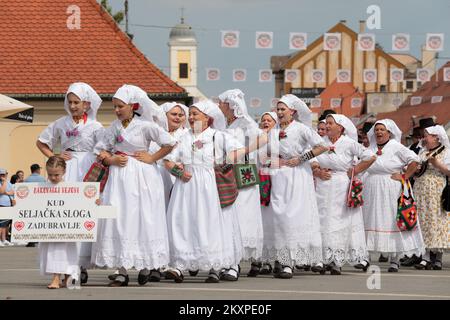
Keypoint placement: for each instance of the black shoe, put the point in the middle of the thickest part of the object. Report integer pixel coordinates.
(176, 275)
(409, 262)
(254, 270)
(142, 278)
(155, 276)
(83, 276)
(318, 269)
(229, 277)
(392, 268)
(120, 281)
(433, 257)
(437, 265)
(113, 276)
(266, 269)
(277, 267)
(31, 244)
(403, 259)
(193, 273)
(362, 267)
(424, 264)
(335, 272)
(285, 274)
(383, 258)
(212, 278)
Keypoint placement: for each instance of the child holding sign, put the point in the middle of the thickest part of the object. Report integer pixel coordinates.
(58, 258)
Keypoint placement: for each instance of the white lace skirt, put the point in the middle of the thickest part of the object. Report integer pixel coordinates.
(380, 210)
(59, 257)
(200, 233)
(291, 221)
(342, 227)
(248, 208)
(138, 236)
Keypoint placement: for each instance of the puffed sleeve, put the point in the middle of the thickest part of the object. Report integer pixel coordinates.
(50, 135)
(311, 137)
(406, 155)
(447, 158)
(106, 140)
(175, 154)
(155, 133)
(360, 151)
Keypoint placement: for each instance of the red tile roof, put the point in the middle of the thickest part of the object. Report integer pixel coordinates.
(345, 91)
(435, 87)
(41, 56)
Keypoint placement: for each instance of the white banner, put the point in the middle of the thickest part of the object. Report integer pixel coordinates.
(230, 39)
(332, 42)
(415, 101)
(366, 42)
(265, 75)
(264, 40)
(400, 42)
(397, 101)
(446, 74)
(317, 75)
(255, 102)
(435, 42)
(343, 75)
(239, 75)
(291, 75)
(396, 75)
(212, 74)
(335, 102)
(316, 103)
(356, 103)
(298, 40)
(423, 74)
(370, 75)
(436, 99)
(66, 212)
(274, 102)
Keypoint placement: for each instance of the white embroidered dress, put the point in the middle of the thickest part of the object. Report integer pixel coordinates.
(291, 221)
(342, 227)
(138, 236)
(200, 235)
(381, 195)
(80, 138)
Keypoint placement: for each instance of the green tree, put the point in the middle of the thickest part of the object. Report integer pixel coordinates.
(118, 16)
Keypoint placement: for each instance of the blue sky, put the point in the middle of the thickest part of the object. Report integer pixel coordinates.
(208, 17)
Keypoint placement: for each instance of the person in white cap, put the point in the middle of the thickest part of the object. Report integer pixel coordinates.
(200, 235)
(78, 132)
(342, 227)
(291, 221)
(137, 237)
(382, 188)
(428, 187)
(177, 125)
(247, 205)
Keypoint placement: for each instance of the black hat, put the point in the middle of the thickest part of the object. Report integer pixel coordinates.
(416, 132)
(426, 122)
(367, 126)
(35, 167)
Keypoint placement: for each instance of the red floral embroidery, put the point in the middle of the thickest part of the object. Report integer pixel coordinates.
(332, 148)
(379, 152)
(282, 134)
(197, 145)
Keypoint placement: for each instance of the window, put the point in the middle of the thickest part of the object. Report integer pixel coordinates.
(409, 85)
(183, 73)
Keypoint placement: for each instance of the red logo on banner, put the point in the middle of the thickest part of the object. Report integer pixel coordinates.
(18, 225)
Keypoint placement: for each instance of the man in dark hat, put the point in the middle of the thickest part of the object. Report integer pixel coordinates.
(416, 137)
(325, 113)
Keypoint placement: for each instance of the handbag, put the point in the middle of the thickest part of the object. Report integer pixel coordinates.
(98, 172)
(225, 181)
(407, 209)
(354, 194)
(445, 197)
(265, 186)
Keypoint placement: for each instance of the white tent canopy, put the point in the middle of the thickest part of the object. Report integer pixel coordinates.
(15, 109)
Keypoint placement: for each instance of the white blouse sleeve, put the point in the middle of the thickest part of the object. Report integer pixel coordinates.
(406, 155)
(50, 135)
(361, 152)
(447, 158)
(106, 140)
(312, 137)
(155, 133)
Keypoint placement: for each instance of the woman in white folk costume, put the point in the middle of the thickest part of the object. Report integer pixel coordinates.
(321, 128)
(58, 258)
(200, 234)
(247, 206)
(428, 187)
(382, 188)
(177, 125)
(342, 227)
(77, 133)
(291, 221)
(137, 237)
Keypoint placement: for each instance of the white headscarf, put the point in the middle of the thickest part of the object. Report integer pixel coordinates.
(235, 98)
(142, 104)
(85, 93)
(212, 110)
(440, 132)
(273, 115)
(349, 128)
(166, 107)
(390, 126)
(303, 114)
